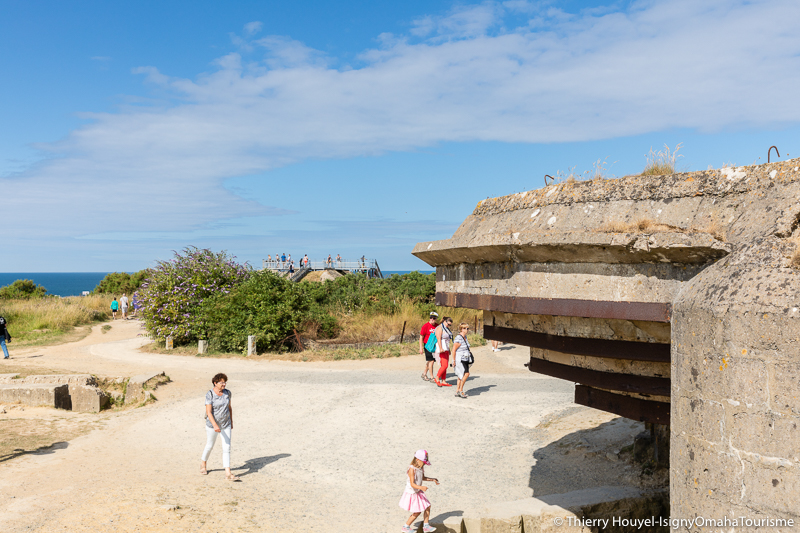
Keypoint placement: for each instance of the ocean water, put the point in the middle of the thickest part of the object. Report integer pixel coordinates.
(57, 283)
(74, 283)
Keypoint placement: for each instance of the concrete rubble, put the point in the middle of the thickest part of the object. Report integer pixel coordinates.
(82, 393)
(140, 386)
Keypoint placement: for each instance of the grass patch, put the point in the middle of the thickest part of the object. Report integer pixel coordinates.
(662, 162)
(105, 329)
(378, 327)
(647, 226)
(51, 320)
(25, 371)
(371, 352)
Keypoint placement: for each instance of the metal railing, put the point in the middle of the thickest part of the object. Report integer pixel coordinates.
(368, 266)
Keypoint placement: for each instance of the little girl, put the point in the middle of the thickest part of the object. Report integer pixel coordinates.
(414, 499)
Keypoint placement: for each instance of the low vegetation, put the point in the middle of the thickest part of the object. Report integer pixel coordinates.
(647, 225)
(44, 320)
(205, 295)
(117, 283)
(22, 289)
(662, 162)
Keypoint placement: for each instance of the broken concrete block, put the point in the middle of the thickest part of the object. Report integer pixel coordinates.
(50, 395)
(139, 387)
(87, 399)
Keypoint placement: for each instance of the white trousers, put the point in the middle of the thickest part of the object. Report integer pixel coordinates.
(211, 438)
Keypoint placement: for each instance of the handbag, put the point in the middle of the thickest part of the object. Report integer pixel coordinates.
(432, 343)
(470, 360)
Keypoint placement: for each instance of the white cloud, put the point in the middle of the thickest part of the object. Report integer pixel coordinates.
(558, 77)
(251, 28)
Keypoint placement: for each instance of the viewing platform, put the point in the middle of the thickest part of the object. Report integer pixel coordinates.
(368, 268)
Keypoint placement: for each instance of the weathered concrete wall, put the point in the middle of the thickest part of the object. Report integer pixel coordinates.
(49, 395)
(719, 255)
(736, 388)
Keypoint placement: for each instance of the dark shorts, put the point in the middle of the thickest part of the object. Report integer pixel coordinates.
(428, 355)
(466, 366)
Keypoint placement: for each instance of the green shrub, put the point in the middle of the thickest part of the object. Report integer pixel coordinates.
(171, 297)
(121, 282)
(265, 305)
(22, 289)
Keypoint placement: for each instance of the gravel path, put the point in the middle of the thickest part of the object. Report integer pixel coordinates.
(319, 446)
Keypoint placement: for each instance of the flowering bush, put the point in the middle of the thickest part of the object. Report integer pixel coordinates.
(171, 297)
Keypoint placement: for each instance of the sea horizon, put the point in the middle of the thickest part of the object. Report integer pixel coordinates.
(74, 283)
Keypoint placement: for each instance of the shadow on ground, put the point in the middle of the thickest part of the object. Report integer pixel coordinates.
(586, 459)
(42, 450)
(254, 465)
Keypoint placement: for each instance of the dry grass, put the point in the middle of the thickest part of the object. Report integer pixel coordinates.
(643, 225)
(647, 225)
(364, 327)
(357, 329)
(599, 171)
(794, 261)
(371, 352)
(662, 162)
(47, 320)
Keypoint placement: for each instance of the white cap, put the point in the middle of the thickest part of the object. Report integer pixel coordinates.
(434, 313)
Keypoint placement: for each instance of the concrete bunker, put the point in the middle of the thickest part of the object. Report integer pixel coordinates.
(666, 299)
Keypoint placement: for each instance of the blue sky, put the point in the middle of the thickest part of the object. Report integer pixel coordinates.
(134, 129)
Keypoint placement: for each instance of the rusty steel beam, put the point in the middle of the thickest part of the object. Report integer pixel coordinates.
(633, 408)
(614, 349)
(647, 311)
(603, 380)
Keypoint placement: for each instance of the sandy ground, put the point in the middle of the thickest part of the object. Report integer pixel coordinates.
(319, 446)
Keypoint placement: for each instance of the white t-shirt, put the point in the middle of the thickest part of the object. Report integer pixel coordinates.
(123, 301)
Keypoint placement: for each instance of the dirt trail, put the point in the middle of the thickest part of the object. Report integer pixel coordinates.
(319, 446)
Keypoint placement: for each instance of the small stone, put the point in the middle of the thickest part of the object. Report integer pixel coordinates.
(611, 457)
(168, 507)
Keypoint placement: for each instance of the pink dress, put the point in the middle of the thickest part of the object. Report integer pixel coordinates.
(414, 500)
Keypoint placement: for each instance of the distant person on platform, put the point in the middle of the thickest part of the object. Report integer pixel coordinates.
(269, 258)
(363, 262)
(305, 260)
(329, 261)
(114, 307)
(291, 267)
(4, 336)
(283, 258)
(428, 328)
(289, 258)
(338, 259)
(123, 303)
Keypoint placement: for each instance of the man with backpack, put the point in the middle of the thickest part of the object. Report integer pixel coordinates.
(424, 333)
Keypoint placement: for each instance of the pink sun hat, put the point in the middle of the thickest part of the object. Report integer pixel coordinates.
(422, 455)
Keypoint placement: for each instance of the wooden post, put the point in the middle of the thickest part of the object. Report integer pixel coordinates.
(299, 342)
(202, 347)
(403, 333)
(168, 342)
(476, 324)
(251, 345)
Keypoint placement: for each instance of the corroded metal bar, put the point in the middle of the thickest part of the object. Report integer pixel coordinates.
(647, 311)
(605, 380)
(614, 349)
(633, 408)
